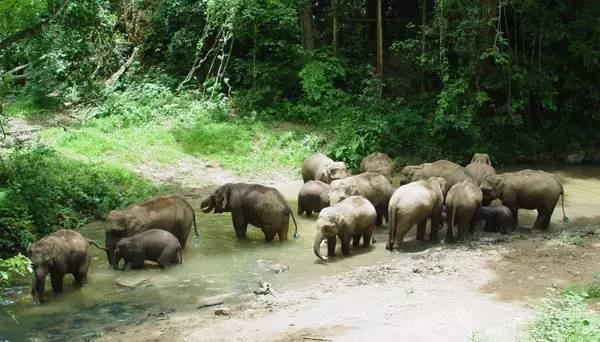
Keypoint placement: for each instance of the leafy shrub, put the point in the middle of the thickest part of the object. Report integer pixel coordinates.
(565, 318)
(45, 192)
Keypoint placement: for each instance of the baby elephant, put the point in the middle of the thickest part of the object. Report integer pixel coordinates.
(154, 245)
(313, 196)
(350, 219)
(497, 219)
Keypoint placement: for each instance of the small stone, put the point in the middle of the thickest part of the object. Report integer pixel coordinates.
(222, 311)
(574, 158)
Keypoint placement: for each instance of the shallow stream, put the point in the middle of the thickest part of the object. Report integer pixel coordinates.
(217, 264)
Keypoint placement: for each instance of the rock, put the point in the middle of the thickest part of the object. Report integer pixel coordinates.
(222, 311)
(279, 268)
(132, 284)
(574, 158)
(592, 156)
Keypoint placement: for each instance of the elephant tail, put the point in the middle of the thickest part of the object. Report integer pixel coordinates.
(454, 208)
(392, 220)
(180, 256)
(296, 234)
(194, 220)
(562, 197)
(92, 242)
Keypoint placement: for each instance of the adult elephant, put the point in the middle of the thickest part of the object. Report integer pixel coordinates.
(170, 213)
(483, 158)
(478, 171)
(379, 163)
(450, 171)
(462, 202)
(415, 203)
(527, 189)
(350, 219)
(261, 206)
(64, 251)
(313, 196)
(370, 185)
(320, 167)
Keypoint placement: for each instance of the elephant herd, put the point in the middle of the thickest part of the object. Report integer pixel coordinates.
(349, 206)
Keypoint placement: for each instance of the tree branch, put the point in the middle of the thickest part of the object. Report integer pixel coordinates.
(19, 35)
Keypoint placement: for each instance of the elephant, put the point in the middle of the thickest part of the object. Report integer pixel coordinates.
(462, 202)
(483, 158)
(379, 163)
(261, 206)
(527, 189)
(349, 219)
(451, 172)
(497, 219)
(313, 196)
(478, 171)
(415, 203)
(156, 245)
(372, 186)
(320, 167)
(64, 251)
(170, 213)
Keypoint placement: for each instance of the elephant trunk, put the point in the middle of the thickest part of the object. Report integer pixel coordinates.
(40, 284)
(317, 246)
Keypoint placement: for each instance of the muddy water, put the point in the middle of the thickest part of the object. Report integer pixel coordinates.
(217, 264)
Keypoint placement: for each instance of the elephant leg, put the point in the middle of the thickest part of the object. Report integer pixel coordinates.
(434, 231)
(367, 237)
(138, 260)
(57, 282)
(471, 223)
(81, 274)
(346, 244)
(515, 212)
(331, 241)
(542, 222)
(356, 240)
(166, 258)
(239, 225)
(463, 227)
(269, 235)
(421, 230)
(400, 236)
(379, 220)
(283, 231)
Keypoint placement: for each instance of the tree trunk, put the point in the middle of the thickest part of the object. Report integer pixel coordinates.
(307, 30)
(379, 64)
(423, 23)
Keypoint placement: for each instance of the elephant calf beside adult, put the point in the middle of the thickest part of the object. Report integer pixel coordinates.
(322, 168)
(372, 186)
(350, 219)
(155, 245)
(527, 189)
(171, 213)
(261, 206)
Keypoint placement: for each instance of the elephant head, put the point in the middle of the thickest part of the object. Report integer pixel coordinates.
(410, 173)
(334, 171)
(492, 187)
(123, 250)
(329, 224)
(481, 158)
(218, 200)
(42, 256)
(122, 223)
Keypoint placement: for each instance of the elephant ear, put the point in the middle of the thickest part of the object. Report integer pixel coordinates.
(499, 185)
(135, 224)
(341, 222)
(326, 176)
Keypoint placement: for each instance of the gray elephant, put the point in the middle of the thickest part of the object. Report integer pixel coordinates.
(527, 189)
(451, 172)
(379, 163)
(498, 219)
(350, 219)
(155, 245)
(478, 171)
(483, 158)
(320, 167)
(415, 203)
(171, 213)
(261, 206)
(313, 196)
(64, 251)
(462, 202)
(372, 186)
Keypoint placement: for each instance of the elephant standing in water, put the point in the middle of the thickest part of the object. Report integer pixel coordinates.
(451, 172)
(261, 206)
(379, 163)
(313, 196)
(498, 219)
(372, 186)
(462, 202)
(320, 167)
(415, 203)
(155, 245)
(527, 189)
(64, 251)
(171, 213)
(349, 219)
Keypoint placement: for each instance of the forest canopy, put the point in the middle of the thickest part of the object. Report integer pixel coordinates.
(416, 79)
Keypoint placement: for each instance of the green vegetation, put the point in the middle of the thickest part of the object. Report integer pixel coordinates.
(565, 318)
(43, 192)
(11, 269)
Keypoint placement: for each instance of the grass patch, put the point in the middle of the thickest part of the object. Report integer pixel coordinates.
(589, 290)
(565, 317)
(30, 106)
